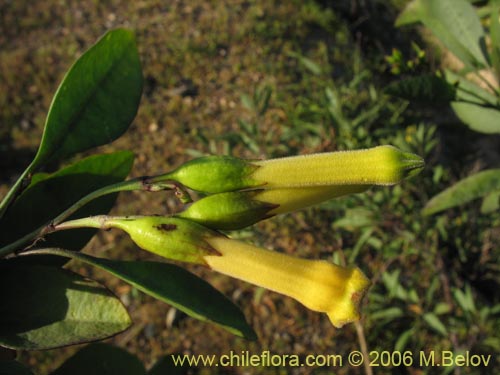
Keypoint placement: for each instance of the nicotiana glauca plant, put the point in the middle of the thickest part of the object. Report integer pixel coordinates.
(47, 306)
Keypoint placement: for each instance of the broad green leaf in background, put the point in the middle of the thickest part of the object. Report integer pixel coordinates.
(47, 307)
(101, 359)
(51, 194)
(97, 99)
(455, 23)
(464, 191)
(175, 286)
(481, 119)
(427, 89)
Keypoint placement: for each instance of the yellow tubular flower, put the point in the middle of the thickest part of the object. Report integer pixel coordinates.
(318, 285)
(382, 165)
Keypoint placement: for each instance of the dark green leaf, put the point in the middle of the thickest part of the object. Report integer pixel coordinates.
(481, 119)
(427, 89)
(466, 190)
(47, 307)
(97, 99)
(175, 286)
(101, 359)
(49, 195)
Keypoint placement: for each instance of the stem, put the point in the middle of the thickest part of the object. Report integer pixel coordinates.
(364, 347)
(152, 184)
(15, 189)
(98, 222)
(359, 330)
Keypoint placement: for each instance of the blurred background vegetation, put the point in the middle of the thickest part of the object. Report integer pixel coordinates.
(261, 79)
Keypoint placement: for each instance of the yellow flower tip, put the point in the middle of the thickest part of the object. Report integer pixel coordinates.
(319, 285)
(347, 310)
(402, 164)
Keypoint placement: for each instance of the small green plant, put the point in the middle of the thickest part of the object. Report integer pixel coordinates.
(47, 306)
(471, 89)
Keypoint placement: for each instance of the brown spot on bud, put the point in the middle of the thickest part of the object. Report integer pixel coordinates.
(166, 227)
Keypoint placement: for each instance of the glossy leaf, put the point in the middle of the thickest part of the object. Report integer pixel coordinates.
(47, 307)
(481, 119)
(49, 195)
(97, 99)
(102, 359)
(455, 23)
(464, 191)
(175, 286)
(427, 89)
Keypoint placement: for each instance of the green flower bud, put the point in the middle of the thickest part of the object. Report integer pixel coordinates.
(168, 237)
(239, 209)
(214, 174)
(228, 211)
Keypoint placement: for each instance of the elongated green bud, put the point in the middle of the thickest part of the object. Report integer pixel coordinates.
(228, 211)
(214, 174)
(239, 209)
(382, 165)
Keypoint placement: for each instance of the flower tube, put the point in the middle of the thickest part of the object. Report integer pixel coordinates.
(319, 285)
(382, 165)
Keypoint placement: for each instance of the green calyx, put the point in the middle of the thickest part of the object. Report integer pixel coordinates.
(214, 174)
(171, 238)
(228, 211)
